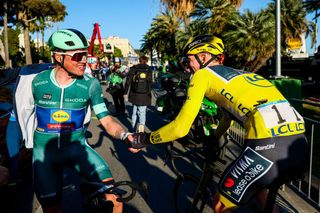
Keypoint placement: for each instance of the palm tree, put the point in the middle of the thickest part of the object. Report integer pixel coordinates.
(250, 39)
(183, 8)
(293, 20)
(312, 6)
(162, 34)
(31, 10)
(215, 13)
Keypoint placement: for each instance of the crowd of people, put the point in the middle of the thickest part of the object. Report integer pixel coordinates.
(53, 105)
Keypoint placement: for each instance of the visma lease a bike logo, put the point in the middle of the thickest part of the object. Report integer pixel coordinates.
(248, 169)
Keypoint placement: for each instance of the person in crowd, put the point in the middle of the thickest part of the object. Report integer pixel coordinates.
(274, 129)
(95, 69)
(115, 86)
(139, 80)
(61, 97)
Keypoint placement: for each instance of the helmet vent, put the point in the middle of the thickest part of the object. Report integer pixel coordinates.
(69, 43)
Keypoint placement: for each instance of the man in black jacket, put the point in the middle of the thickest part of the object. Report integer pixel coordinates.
(139, 79)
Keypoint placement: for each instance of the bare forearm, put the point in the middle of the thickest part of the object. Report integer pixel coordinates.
(112, 127)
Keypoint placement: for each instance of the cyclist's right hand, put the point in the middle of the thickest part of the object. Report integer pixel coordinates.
(137, 141)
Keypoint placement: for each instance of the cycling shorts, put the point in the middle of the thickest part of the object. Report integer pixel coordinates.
(262, 163)
(49, 161)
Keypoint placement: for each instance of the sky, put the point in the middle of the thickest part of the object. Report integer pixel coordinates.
(124, 18)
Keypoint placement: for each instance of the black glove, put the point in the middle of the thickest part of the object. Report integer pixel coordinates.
(140, 140)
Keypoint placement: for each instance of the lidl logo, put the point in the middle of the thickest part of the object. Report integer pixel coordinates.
(60, 116)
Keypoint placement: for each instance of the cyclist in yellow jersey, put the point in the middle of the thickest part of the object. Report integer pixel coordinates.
(274, 129)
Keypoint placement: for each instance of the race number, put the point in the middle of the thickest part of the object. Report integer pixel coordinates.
(277, 113)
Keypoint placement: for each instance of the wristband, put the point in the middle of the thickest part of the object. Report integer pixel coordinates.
(124, 135)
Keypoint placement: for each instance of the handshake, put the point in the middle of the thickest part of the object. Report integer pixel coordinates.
(136, 141)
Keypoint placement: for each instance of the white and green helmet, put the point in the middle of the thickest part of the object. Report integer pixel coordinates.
(67, 39)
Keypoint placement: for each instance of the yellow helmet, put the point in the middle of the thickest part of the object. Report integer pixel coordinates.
(204, 43)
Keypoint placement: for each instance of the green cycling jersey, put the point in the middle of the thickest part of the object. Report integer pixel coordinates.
(59, 138)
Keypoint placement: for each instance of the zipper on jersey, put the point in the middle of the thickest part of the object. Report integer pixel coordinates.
(61, 105)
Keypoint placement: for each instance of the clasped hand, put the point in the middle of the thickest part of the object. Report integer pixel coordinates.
(137, 141)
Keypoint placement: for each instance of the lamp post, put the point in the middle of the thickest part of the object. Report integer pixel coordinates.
(278, 40)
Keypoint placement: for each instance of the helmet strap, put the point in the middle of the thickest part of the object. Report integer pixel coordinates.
(61, 64)
(205, 64)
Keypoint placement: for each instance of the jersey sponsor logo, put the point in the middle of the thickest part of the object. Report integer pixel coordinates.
(40, 129)
(287, 129)
(266, 147)
(227, 95)
(244, 110)
(49, 195)
(155, 138)
(65, 127)
(76, 100)
(230, 98)
(47, 96)
(257, 80)
(47, 102)
(229, 183)
(249, 168)
(82, 86)
(60, 116)
(41, 83)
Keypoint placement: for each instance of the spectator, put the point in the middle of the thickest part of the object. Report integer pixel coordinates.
(139, 80)
(116, 89)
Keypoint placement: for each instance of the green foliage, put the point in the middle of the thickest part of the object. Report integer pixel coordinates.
(117, 52)
(249, 37)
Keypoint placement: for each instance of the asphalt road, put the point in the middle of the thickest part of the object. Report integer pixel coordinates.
(148, 166)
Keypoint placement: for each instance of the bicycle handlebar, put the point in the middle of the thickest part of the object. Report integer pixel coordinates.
(114, 189)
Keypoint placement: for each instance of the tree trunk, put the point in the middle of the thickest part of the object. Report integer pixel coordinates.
(27, 40)
(2, 50)
(42, 40)
(5, 36)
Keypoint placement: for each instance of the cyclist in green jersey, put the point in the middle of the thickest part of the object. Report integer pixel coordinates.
(62, 97)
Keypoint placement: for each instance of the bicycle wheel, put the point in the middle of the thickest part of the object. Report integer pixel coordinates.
(184, 190)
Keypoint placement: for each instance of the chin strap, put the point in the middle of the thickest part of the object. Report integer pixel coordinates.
(61, 64)
(205, 64)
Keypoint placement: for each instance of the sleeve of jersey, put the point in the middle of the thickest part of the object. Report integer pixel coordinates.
(181, 125)
(97, 100)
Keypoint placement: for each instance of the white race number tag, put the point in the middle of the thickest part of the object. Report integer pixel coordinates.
(277, 113)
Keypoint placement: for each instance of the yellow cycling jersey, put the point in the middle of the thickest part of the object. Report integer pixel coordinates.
(247, 97)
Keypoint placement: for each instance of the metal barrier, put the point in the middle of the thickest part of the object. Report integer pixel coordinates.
(309, 188)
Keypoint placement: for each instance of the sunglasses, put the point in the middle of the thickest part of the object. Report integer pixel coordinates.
(76, 56)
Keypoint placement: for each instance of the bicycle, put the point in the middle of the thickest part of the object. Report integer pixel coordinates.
(203, 157)
(93, 194)
(200, 198)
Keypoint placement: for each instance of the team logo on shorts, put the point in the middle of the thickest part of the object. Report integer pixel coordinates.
(249, 167)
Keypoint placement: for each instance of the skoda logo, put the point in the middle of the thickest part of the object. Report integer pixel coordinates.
(60, 116)
(257, 80)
